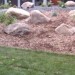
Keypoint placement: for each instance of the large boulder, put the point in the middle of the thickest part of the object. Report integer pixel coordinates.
(19, 13)
(37, 17)
(72, 13)
(70, 3)
(17, 29)
(27, 5)
(65, 29)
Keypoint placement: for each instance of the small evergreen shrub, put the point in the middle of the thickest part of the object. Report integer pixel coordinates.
(49, 4)
(6, 19)
(43, 5)
(61, 4)
(54, 13)
(4, 6)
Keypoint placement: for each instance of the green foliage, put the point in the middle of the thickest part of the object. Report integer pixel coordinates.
(43, 5)
(54, 13)
(24, 62)
(7, 19)
(4, 6)
(49, 4)
(9, 2)
(61, 4)
(2, 17)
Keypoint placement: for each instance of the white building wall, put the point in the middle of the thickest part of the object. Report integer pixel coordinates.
(5, 1)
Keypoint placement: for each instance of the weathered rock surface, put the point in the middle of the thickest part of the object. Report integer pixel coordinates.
(65, 29)
(19, 13)
(70, 3)
(27, 5)
(72, 13)
(17, 29)
(37, 17)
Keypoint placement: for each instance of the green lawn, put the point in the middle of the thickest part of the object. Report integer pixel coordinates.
(23, 62)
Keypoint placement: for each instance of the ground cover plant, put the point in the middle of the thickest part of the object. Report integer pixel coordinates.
(6, 6)
(6, 19)
(22, 62)
(61, 4)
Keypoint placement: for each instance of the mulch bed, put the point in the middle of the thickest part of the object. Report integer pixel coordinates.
(43, 37)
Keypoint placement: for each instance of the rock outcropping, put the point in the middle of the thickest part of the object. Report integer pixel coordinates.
(19, 13)
(17, 29)
(72, 13)
(37, 17)
(27, 5)
(70, 3)
(65, 29)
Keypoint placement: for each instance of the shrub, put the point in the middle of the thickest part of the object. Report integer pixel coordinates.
(4, 6)
(54, 13)
(43, 5)
(7, 19)
(49, 4)
(61, 4)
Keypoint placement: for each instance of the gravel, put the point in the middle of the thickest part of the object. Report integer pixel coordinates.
(51, 8)
(3, 10)
(45, 8)
(44, 36)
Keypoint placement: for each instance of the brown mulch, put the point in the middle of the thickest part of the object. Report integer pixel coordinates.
(43, 36)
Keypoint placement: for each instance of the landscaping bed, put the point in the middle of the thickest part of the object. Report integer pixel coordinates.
(43, 36)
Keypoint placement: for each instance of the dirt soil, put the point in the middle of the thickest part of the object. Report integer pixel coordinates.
(43, 37)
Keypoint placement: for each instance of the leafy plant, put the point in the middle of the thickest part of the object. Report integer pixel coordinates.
(49, 4)
(43, 5)
(54, 13)
(7, 19)
(61, 4)
(2, 17)
(9, 3)
(5, 6)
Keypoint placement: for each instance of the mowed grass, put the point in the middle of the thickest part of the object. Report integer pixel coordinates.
(22, 62)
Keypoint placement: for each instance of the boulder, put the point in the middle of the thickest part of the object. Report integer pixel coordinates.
(19, 13)
(17, 29)
(72, 13)
(70, 3)
(27, 5)
(65, 29)
(37, 17)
